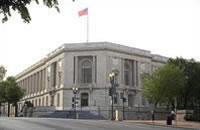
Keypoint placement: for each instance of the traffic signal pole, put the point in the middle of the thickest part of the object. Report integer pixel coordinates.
(75, 106)
(123, 109)
(112, 103)
(112, 91)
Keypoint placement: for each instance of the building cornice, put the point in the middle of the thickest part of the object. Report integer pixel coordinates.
(94, 46)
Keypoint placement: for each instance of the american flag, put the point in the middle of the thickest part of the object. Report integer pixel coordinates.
(83, 12)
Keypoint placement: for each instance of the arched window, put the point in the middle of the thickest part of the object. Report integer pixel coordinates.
(84, 99)
(86, 72)
(127, 74)
(130, 100)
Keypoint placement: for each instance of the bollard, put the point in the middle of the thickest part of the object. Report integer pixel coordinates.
(77, 115)
(116, 115)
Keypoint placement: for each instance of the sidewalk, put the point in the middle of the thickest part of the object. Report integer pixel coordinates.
(178, 124)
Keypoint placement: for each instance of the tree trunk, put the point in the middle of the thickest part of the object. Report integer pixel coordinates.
(16, 108)
(8, 109)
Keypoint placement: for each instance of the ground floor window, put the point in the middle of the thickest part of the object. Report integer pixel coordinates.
(52, 100)
(47, 101)
(84, 99)
(130, 100)
(58, 100)
(43, 101)
(39, 102)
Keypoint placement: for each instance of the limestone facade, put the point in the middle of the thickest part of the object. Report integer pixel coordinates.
(86, 66)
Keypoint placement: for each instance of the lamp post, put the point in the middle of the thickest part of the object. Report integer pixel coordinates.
(75, 90)
(112, 81)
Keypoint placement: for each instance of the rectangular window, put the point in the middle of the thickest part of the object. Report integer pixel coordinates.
(133, 71)
(33, 102)
(84, 99)
(58, 100)
(143, 101)
(47, 101)
(39, 102)
(126, 73)
(52, 100)
(43, 101)
(54, 73)
(36, 102)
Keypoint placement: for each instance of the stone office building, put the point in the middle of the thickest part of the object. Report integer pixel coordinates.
(87, 66)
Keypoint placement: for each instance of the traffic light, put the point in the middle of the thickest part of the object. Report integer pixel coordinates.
(124, 99)
(73, 99)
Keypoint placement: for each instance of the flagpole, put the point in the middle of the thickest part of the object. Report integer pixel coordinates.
(88, 27)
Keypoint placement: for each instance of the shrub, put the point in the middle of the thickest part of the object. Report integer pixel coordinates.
(196, 114)
(189, 117)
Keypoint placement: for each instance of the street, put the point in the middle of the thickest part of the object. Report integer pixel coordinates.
(70, 124)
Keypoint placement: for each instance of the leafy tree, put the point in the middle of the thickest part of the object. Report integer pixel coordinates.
(13, 93)
(2, 73)
(2, 93)
(163, 85)
(190, 93)
(2, 89)
(21, 7)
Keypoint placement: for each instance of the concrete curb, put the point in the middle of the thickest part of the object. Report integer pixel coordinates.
(152, 124)
(144, 123)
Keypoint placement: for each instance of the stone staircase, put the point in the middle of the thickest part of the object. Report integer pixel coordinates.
(71, 115)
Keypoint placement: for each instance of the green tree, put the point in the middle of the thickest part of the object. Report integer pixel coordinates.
(13, 93)
(190, 93)
(2, 93)
(2, 73)
(2, 88)
(163, 85)
(21, 6)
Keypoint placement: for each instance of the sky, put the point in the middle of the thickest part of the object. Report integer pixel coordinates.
(169, 28)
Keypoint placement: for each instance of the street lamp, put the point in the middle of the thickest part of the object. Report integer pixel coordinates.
(75, 90)
(112, 81)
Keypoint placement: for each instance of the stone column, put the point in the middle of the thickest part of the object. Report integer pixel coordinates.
(122, 71)
(76, 70)
(44, 82)
(40, 76)
(135, 73)
(37, 82)
(31, 84)
(93, 69)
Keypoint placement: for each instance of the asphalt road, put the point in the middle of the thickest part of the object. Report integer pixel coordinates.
(70, 124)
